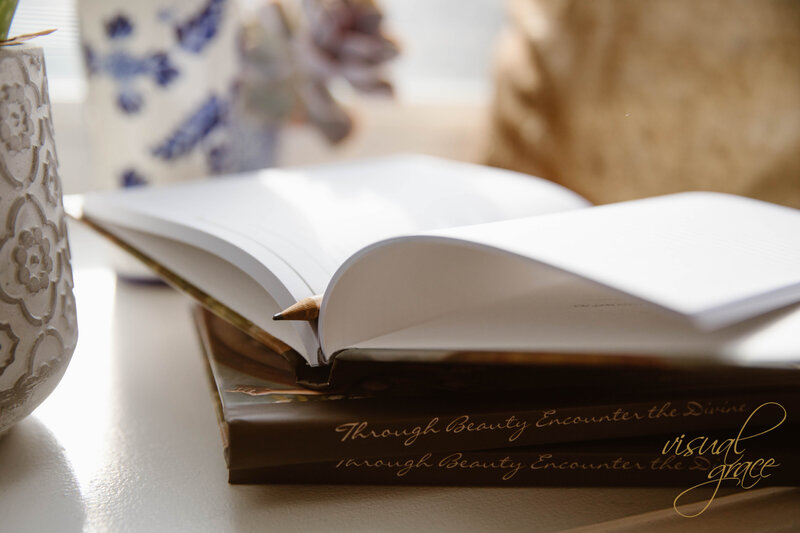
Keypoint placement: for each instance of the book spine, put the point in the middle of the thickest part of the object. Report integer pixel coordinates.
(305, 434)
(540, 467)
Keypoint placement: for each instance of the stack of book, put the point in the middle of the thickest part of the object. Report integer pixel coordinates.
(446, 323)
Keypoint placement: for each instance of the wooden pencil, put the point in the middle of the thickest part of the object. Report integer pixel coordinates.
(305, 309)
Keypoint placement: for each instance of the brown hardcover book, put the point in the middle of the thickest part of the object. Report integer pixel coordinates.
(267, 421)
(772, 460)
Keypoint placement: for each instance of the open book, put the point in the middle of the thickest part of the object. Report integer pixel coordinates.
(418, 258)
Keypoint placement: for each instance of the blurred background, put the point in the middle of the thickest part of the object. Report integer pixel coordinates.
(614, 99)
(441, 78)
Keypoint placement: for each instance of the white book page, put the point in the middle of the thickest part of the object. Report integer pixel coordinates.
(314, 219)
(693, 262)
(289, 230)
(715, 258)
(225, 283)
(582, 318)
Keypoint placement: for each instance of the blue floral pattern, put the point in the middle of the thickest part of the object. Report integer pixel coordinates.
(125, 68)
(219, 158)
(131, 178)
(129, 101)
(194, 34)
(161, 69)
(122, 66)
(119, 27)
(209, 116)
(89, 59)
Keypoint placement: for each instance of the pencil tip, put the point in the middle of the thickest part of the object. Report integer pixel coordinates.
(277, 316)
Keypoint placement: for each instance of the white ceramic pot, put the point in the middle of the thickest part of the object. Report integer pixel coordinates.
(38, 325)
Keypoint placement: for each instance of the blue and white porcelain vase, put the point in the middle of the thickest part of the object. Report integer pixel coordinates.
(162, 83)
(38, 324)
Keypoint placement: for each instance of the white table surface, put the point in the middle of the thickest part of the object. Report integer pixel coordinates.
(129, 442)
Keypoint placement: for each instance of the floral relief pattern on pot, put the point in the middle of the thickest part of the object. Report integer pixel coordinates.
(38, 326)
